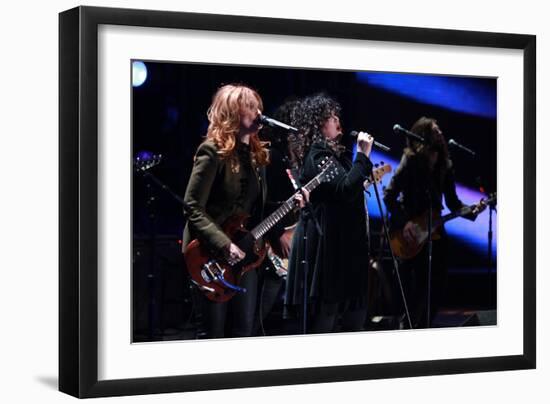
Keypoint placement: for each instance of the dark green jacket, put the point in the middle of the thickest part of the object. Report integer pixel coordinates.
(215, 193)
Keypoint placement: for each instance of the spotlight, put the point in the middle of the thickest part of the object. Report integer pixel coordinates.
(139, 73)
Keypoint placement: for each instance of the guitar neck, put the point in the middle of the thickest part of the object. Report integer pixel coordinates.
(267, 224)
(446, 218)
(453, 215)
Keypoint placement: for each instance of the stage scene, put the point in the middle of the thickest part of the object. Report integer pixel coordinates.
(274, 201)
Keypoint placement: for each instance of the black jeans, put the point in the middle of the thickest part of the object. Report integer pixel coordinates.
(242, 308)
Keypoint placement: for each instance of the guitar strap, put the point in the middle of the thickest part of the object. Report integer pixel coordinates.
(263, 189)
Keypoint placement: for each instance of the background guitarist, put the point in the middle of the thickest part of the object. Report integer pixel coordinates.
(424, 174)
(228, 179)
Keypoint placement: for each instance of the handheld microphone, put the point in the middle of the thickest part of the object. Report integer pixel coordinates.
(452, 142)
(276, 124)
(399, 130)
(379, 145)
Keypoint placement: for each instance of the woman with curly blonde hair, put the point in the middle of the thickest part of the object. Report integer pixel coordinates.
(228, 178)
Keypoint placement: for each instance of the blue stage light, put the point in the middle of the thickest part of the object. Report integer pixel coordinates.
(144, 155)
(139, 73)
(469, 95)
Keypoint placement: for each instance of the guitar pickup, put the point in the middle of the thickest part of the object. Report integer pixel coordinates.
(212, 271)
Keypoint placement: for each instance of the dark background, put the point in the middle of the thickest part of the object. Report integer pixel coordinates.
(169, 117)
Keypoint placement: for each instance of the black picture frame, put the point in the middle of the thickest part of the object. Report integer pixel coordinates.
(78, 200)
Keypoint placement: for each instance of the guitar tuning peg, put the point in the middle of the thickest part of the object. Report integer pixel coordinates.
(377, 165)
(382, 163)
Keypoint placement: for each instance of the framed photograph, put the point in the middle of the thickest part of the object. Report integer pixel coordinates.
(251, 201)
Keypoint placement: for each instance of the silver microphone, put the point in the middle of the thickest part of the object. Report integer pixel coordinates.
(399, 130)
(276, 124)
(452, 142)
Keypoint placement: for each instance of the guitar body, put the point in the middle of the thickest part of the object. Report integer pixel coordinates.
(274, 253)
(407, 250)
(213, 275)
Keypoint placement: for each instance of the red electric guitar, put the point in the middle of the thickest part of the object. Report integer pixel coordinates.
(213, 275)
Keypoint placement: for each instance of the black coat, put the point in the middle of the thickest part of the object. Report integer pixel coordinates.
(338, 260)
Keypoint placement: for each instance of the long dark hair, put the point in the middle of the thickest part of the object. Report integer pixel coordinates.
(283, 113)
(433, 141)
(309, 115)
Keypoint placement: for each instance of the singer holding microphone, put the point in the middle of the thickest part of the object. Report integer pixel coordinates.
(424, 175)
(337, 259)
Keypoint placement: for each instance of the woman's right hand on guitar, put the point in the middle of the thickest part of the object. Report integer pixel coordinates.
(233, 254)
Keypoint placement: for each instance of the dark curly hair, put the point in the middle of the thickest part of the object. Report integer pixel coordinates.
(309, 115)
(283, 113)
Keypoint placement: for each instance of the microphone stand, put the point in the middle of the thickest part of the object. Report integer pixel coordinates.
(430, 254)
(152, 274)
(163, 186)
(394, 259)
(492, 208)
(309, 215)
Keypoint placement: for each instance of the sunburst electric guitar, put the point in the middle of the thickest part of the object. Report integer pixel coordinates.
(407, 250)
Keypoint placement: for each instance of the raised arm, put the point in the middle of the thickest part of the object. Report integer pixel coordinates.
(346, 185)
(452, 200)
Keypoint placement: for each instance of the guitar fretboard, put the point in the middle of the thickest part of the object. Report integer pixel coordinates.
(268, 223)
(463, 211)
